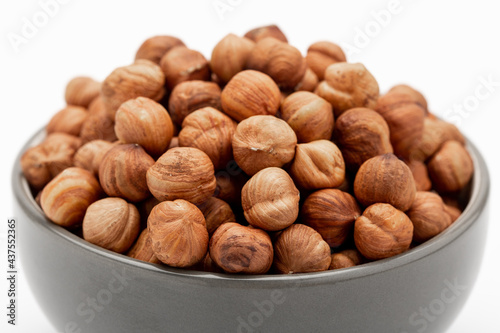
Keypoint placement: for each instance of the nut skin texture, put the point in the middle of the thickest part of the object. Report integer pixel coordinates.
(179, 236)
(270, 200)
(453, 212)
(317, 164)
(345, 259)
(143, 250)
(212, 132)
(229, 56)
(420, 175)
(98, 125)
(281, 61)
(182, 173)
(65, 198)
(385, 179)
(382, 232)
(250, 93)
(322, 54)
(428, 215)
(266, 31)
(412, 95)
(348, 86)
(300, 249)
(230, 184)
(111, 223)
(81, 91)
(144, 122)
(309, 81)
(69, 120)
(154, 48)
(332, 213)
(216, 213)
(183, 64)
(309, 115)
(122, 172)
(451, 167)
(85, 156)
(361, 134)
(263, 141)
(239, 249)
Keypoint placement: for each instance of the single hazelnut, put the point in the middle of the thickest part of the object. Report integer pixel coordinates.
(420, 175)
(229, 56)
(346, 258)
(98, 125)
(143, 249)
(182, 173)
(453, 212)
(332, 213)
(322, 54)
(309, 115)
(81, 91)
(65, 198)
(111, 223)
(85, 156)
(179, 236)
(250, 93)
(183, 64)
(69, 120)
(411, 94)
(230, 183)
(382, 232)
(309, 81)
(263, 141)
(216, 212)
(239, 249)
(385, 179)
(259, 33)
(154, 48)
(270, 200)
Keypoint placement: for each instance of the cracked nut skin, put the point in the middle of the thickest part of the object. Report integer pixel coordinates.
(143, 249)
(216, 213)
(81, 91)
(382, 232)
(240, 249)
(346, 258)
(300, 249)
(229, 56)
(154, 48)
(183, 64)
(322, 54)
(178, 233)
(259, 33)
(270, 200)
(111, 223)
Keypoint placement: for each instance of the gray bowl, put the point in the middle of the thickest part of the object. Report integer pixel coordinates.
(84, 288)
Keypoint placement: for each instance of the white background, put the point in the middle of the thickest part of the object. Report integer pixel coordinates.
(443, 48)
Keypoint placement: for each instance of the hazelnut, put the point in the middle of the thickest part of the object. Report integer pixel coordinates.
(309, 115)
(300, 249)
(111, 223)
(182, 173)
(263, 141)
(98, 125)
(154, 48)
(183, 64)
(69, 120)
(453, 212)
(174, 142)
(210, 131)
(146, 123)
(382, 232)
(332, 213)
(345, 259)
(239, 249)
(270, 200)
(309, 81)
(317, 164)
(347, 86)
(250, 93)
(81, 91)
(65, 198)
(179, 236)
(230, 184)
(229, 56)
(412, 95)
(207, 265)
(420, 175)
(385, 179)
(259, 33)
(85, 156)
(322, 54)
(143, 249)
(122, 172)
(216, 212)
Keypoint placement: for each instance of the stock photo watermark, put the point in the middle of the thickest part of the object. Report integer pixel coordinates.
(224, 7)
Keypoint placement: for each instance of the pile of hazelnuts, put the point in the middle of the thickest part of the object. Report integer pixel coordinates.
(259, 160)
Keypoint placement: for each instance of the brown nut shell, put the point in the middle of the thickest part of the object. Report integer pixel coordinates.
(272, 30)
(216, 212)
(99, 125)
(346, 258)
(322, 54)
(154, 48)
(81, 91)
(69, 120)
(143, 249)
(230, 55)
(183, 64)
(87, 156)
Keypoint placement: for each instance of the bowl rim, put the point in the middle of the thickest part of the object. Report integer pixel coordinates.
(480, 188)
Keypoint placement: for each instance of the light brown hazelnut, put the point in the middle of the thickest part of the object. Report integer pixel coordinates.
(85, 156)
(420, 175)
(98, 125)
(239, 249)
(183, 64)
(332, 213)
(174, 142)
(230, 55)
(309, 81)
(259, 33)
(250, 93)
(154, 48)
(179, 236)
(322, 54)
(382, 232)
(65, 198)
(263, 141)
(385, 179)
(216, 212)
(412, 95)
(346, 258)
(309, 115)
(270, 200)
(81, 91)
(143, 249)
(69, 120)
(111, 223)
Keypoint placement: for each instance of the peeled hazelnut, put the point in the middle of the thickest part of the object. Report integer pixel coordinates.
(154, 48)
(69, 120)
(332, 213)
(85, 156)
(428, 215)
(263, 141)
(111, 223)
(210, 131)
(98, 125)
(266, 31)
(216, 212)
(322, 54)
(146, 123)
(250, 93)
(309, 81)
(347, 86)
(451, 167)
(420, 175)
(81, 91)
(385, 179)
(183, 64)
(193, 95)
(412, 95)
(382, 232)
(317, 164)
(122, 172)
(361, 134)
(66, 197)
(345, 259)
(309, 115)
(270, 200)
(239, 249)
(182, 173)
(178, 233)
(143, 249)
(300, 249)
(230, 55)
